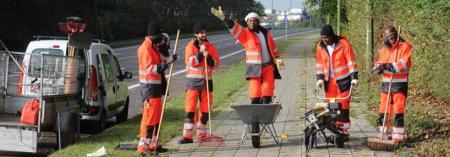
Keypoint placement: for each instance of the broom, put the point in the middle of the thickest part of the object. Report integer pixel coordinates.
(380, 143)
(210, 140)
(165, 95)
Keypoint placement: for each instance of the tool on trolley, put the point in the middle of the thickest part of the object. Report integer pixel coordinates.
(322, 117)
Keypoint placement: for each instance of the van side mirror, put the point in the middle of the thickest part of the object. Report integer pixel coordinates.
(128, 75)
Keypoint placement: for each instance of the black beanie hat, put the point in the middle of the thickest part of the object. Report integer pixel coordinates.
(154, 29)
(327, 30)
(199, 27)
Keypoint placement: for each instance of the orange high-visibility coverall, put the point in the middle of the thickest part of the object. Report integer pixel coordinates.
(397, 67)
(261, 75)
(344, 68)
(196, 85)
(152, 80)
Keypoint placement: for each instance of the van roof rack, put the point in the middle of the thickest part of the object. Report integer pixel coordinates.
(43, 37)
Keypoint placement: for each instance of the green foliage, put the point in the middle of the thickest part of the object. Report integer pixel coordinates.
(112, 19)
(327, 9)
(425, 24)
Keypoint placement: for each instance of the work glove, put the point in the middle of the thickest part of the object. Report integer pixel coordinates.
(280, 63)
(355, 82)
(319, 83)
(202, 48)
(218, 13)
(378, 69)
(172, 59)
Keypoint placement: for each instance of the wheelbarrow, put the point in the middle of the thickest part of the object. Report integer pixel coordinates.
(322, 117)
(263, 115)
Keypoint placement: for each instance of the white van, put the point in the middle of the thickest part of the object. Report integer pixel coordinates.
(104, 93)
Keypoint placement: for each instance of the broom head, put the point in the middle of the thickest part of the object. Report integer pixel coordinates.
(212, 141)
(377, 144)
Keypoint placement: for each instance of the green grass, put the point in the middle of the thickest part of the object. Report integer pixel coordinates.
(226, 86)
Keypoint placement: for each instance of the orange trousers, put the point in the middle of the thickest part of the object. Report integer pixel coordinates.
(192, 97)
(397, 104)
(264, 85)
(190, 107)
(150, 116)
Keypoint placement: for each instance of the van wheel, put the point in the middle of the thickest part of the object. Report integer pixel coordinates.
(101, 123)
(123, 116)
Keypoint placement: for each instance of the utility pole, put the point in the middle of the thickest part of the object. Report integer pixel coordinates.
(338, 17)
(286, 23)
(272, 5)
(328, 19)
(369, 36)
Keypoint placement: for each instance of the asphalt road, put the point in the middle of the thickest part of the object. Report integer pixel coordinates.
(229, 51)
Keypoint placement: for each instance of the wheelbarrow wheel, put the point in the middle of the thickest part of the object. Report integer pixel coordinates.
(256, 139)
(339, 141)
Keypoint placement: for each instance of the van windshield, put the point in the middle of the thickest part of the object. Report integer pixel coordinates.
(36, 56)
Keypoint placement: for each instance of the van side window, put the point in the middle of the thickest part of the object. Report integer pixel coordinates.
(117, 66)
(108, 68)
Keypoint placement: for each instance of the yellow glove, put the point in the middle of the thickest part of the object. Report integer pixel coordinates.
(280, 63)
(218, 13)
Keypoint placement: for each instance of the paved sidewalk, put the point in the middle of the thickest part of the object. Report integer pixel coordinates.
(294, 92)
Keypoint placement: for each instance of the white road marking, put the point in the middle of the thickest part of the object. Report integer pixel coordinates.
(226, 56)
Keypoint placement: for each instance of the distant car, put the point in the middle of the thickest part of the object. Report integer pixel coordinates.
(266, 25)
(104, 91)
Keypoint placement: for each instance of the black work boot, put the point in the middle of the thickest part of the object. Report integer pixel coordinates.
(185, 141)
(154, 152)
(255, 100)
(266, 99)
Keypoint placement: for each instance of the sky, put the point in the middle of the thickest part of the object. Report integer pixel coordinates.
(281, 4)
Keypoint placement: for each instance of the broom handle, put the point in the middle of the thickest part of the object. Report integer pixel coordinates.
(167, 88)
(389, 90)
(207, 94)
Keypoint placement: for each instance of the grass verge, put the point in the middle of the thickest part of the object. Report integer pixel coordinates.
(226, 85)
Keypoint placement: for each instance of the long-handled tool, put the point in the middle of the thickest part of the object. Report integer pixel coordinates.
(210, 140)
(380, 143)
(167, 91)
(11, 55)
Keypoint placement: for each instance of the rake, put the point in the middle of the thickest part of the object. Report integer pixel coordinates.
(210, 140)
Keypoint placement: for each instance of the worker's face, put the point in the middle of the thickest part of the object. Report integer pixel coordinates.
(389, 36)
(326, 40)
(253, 23)
(202, 35)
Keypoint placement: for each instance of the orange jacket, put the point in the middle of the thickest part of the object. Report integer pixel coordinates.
(253, 50)
(343, 62)
(397, 66)
(150, 64)
(195, 72)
